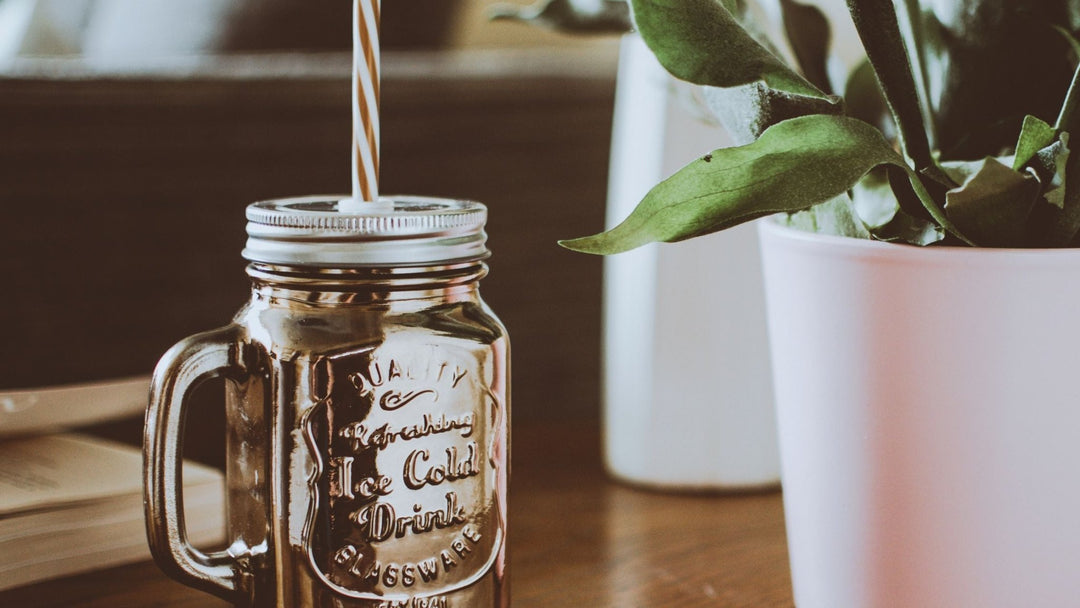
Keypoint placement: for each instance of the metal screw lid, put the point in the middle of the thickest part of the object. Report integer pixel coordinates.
(329, 231)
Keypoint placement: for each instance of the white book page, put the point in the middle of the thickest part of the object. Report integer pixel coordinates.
(55, 470)
(38, 410)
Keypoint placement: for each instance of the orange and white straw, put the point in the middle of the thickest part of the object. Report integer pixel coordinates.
(366, 83)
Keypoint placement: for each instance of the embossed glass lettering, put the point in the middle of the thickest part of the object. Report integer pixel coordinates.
(394, 401)
(389, 436)
(362, 437)
(417, 476)
(393, 574)
(366, 382)
(416, 602)
(379, 521)
(342, 485)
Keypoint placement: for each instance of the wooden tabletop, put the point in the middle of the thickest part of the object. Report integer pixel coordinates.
(577, 540)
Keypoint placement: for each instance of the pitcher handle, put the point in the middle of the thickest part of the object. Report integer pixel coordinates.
(220, 353)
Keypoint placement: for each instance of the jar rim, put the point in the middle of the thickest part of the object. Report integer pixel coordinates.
(330, 231)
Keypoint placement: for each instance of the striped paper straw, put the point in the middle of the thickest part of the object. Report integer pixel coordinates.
(366, 80)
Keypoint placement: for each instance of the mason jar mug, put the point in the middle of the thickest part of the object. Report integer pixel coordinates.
(367, 415)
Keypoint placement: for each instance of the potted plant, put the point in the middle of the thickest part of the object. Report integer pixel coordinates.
(920, 273)
(665, 425)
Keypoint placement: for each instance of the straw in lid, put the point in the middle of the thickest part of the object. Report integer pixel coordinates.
(328, 232)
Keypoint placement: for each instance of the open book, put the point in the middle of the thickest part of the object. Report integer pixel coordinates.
(71, 503)
(51, 409)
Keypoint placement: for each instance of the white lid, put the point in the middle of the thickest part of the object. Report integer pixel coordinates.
(328, 231)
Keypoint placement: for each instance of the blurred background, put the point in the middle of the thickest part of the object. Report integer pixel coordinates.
(134, 132)
(125, 29)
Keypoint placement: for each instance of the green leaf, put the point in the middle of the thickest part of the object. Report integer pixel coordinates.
(879, 30)
(808, 30)
(604, 16)
(1048, 225)
(1067, 224)
(700, 41)
(920, 42)
(900, 181)
(1073, 42)
(993, 205)
(1072, 9)
(960, 171)
(835, 216)
(990, 63)
(1050, 165)
(911, 230)
(878, 208)
(1065, 120)
(873, 199)
(794, 165)
(863, 99)
(1035, 135)
(746, 111)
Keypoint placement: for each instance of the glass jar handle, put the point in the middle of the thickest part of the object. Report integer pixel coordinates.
(220, 353)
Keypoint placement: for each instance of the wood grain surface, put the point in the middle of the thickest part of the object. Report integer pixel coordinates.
(577, 540)
(124, 197)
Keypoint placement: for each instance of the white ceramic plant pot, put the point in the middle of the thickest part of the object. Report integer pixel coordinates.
(687, 389)
(929, 415)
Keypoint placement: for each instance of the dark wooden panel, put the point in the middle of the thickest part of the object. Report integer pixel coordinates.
(123, 201)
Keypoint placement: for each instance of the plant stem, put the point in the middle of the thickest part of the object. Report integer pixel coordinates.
(917, 37)
(1071, 98)
(879, 30)
(932, 207)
